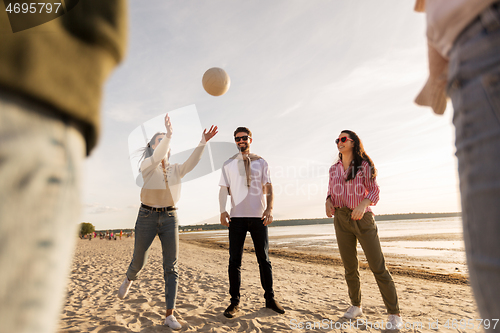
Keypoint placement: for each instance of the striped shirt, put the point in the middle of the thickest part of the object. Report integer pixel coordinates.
(350, 194)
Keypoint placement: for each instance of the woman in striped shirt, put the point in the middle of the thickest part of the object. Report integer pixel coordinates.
(352, 189)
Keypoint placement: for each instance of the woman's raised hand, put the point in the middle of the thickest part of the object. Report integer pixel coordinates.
(210, 134)
(168, 126)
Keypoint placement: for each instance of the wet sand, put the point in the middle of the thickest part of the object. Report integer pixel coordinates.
(451, 271)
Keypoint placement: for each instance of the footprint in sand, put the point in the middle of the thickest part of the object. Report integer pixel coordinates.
(113, 328)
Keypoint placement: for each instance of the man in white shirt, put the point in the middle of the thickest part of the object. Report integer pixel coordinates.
(245, 177)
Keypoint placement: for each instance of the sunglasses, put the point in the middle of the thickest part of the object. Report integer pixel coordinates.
(239, 138)
(343, 139)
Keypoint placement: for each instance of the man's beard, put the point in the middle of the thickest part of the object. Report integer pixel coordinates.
(243, 147)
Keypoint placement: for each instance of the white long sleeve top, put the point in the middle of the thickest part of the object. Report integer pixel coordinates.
(156, 192)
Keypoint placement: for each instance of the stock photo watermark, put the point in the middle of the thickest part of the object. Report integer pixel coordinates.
(363, 323)
(25, 15)
(304, 179)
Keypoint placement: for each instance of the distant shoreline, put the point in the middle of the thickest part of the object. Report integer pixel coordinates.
(292, 222)
(283, 223)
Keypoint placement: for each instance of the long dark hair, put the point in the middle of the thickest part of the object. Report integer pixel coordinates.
(148, 150)
(359, 155)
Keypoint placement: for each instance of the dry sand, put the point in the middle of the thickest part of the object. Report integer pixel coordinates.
(311, 292)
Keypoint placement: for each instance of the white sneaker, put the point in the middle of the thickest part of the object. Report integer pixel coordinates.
(124, 288)
(394, 322)
(171, 322)
(353, 312)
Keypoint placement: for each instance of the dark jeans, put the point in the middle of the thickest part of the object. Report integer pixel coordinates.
(238, 228)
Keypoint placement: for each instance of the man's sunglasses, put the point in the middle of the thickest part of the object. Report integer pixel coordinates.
(239, 138)
(343, 139)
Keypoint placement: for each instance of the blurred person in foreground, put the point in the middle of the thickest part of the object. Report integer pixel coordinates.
(51, 80)
(464, 63)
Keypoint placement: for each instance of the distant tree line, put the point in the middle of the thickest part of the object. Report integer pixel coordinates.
(282, 223)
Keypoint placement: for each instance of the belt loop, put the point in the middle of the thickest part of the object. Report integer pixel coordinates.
(490, 19)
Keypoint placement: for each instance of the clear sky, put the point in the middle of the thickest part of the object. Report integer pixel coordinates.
(301, 72)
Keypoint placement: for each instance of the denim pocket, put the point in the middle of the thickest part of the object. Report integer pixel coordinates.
(143, 212)
(491, 85)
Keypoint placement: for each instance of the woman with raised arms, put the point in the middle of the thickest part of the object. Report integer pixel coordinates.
(158, 216)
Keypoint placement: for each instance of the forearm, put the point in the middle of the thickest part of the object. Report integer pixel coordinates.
(223, 193)
(269, 196)
(161, 150)
(365, 203)
(193, 159)
(373, 189)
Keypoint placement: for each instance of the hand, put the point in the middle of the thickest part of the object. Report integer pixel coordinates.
(330, 209)
(225, 219)
(211, 133)
(359, 211)
(267, 217)
(168, 126)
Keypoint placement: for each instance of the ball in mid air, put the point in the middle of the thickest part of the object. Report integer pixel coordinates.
(216, 81)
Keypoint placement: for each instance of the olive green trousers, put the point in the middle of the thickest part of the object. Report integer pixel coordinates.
(348, 233)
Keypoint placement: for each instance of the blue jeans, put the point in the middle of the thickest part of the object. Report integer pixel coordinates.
(238, 228)
(41, 154)
(165, 225)
(474, 87)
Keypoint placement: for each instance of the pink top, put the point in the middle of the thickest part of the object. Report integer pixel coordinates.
(350, 194)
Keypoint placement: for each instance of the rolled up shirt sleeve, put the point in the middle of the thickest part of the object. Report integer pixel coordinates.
(371, 185)
(329, 193)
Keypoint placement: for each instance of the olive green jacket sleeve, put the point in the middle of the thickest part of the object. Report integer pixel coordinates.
(65, 62)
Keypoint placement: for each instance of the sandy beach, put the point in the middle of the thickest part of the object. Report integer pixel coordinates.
(313, 293)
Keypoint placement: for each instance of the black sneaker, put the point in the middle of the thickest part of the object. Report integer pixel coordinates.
(231, 310)
(275, 306)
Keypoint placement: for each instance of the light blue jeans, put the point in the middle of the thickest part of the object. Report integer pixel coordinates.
(474, 87)
(40, 158)
(165, 225)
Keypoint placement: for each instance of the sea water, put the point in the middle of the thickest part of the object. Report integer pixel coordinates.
(437, 239)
